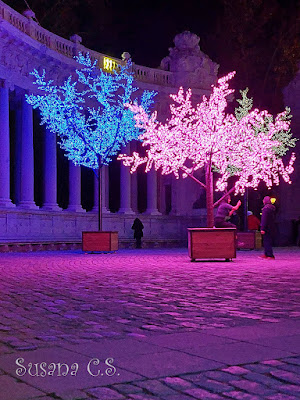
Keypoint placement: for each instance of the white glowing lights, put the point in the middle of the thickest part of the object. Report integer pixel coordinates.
(248, 145)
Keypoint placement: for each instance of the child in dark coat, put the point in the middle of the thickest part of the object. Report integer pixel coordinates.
(138, 232)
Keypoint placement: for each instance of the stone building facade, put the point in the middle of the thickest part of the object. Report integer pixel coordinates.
(31, 162)
(290, 194)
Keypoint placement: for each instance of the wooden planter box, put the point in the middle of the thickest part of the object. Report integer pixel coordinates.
(249, 240)
(212, 243)
(100, 241)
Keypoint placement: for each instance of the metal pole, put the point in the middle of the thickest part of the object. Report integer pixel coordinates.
(100, 199)
(246, 210)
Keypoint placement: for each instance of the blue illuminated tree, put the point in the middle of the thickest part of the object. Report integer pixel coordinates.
(87, 113)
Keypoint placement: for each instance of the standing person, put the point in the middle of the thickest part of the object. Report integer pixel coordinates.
(225, 211)
(268, 227)
(138, 232)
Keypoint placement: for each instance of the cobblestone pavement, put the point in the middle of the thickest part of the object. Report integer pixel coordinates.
(159, 326)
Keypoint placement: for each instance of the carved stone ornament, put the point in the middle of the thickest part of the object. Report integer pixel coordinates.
(125, 56)
(191, 67)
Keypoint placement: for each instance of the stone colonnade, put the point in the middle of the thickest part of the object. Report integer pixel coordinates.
(23, 176)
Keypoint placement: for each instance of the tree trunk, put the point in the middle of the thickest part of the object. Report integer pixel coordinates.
(209, 197)
(100, 200)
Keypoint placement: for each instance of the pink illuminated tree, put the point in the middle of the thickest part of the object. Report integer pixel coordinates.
(248, 145)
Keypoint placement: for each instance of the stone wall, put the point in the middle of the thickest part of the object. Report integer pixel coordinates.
(290, 194)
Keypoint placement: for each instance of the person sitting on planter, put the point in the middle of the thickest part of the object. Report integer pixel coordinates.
(138, 232)
(224, 212)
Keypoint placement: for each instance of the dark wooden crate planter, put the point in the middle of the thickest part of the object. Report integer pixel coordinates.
(249, 240)
(100, 241)
(211, 243)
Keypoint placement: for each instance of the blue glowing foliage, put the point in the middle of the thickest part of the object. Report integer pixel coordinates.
(87, 112)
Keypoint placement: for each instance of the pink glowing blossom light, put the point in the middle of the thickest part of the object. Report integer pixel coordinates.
(248, 147)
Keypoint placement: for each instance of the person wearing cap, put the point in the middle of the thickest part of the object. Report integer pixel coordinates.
(268, 227)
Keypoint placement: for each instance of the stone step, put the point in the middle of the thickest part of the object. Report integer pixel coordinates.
(76, 245)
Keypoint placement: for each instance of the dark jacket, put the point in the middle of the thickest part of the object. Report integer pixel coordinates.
(268, 218)
(138, 228)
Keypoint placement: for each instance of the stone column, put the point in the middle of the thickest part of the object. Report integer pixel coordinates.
(26, 184)
(152, 193)
(50, 172)
(133, 182)
(74, 188)
(134, 193)
(5, 200)
(125, 186)
(17, 150)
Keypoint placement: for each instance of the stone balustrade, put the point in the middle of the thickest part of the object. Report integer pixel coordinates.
(70, 48)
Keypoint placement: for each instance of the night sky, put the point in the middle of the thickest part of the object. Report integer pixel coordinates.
(257, 38)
